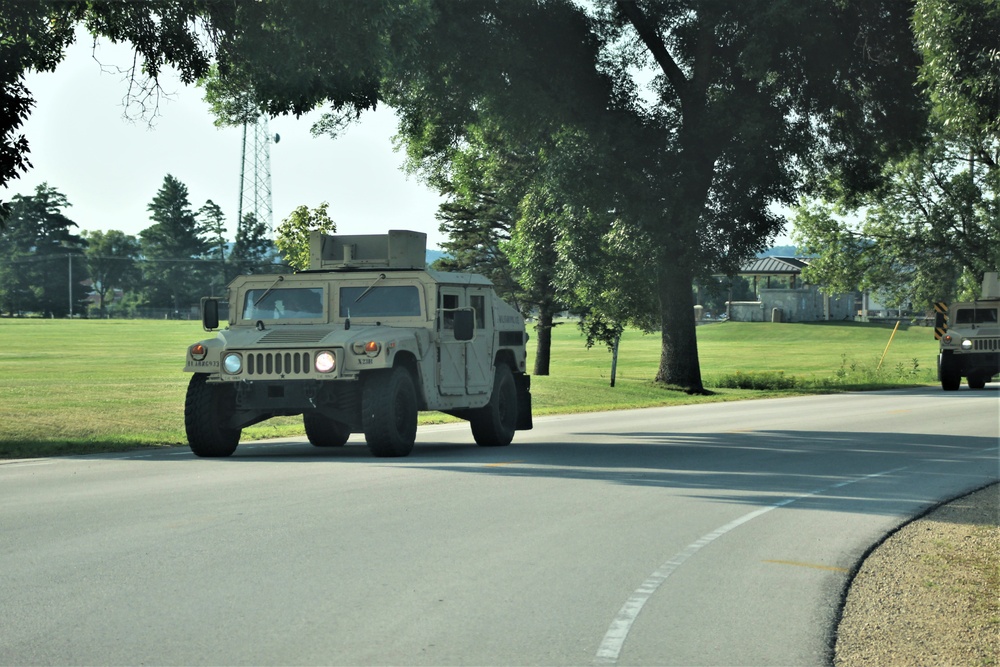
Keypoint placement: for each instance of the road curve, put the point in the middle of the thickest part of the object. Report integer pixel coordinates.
(717, 534)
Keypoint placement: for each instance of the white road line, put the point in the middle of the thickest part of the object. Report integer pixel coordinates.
(26, 464)
(611, 646)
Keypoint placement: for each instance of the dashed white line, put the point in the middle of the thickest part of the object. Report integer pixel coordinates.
(26, 464)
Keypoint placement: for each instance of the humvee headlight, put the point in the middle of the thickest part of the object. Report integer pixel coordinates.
(232, 363)
(966, 344)
(326, 361)
(198, 351)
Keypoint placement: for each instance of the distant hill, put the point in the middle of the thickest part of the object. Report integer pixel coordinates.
(779, 251)
(434, 255)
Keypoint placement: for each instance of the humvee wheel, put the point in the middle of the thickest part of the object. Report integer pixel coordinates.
(493, 425)
(389, 412)
(977, 382)
(325, 432)
(206, 408)
(951, 374)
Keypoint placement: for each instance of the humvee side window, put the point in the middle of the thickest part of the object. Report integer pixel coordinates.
(479, 305)
(448, 304)
(380, 301)
(976, 316)
(287, 303)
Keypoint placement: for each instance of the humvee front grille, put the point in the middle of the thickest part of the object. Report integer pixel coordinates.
(986, 344)
(278, 363)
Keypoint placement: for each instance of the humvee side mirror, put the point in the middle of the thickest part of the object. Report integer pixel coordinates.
(465, 324)
(209, 313)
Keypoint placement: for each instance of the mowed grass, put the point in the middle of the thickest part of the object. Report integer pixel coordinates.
(821, 357)
(81, 386)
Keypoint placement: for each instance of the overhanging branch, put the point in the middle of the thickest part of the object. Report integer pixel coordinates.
(651, 38)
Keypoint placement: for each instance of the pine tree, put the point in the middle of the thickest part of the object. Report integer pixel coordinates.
(172, 248)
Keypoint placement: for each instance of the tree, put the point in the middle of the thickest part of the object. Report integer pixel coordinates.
(170, 248)
(32, 36)
(212, 227)
(253, 250)
(293, 233)
(958, 42)
(746, 96)
(487, 182)
(38, 250)
(111, 263)
(928, 236)
(934, 229)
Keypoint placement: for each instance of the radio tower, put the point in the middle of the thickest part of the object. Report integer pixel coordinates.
(255, 172)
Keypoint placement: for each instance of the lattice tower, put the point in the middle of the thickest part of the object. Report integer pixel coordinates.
(255, 172)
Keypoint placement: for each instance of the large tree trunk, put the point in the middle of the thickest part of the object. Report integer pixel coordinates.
(679, 364)
(543, 349)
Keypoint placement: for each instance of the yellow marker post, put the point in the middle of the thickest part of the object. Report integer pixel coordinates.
(888, 344)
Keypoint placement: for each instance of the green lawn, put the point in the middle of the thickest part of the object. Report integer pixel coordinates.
(76, 386)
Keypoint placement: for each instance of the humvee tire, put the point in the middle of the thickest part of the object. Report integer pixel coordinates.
(977, 381)
(493, 425)
(325, 432)
(951, 374)
(206, 408)
(389, 412)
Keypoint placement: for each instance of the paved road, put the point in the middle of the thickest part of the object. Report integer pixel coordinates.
(701, 535)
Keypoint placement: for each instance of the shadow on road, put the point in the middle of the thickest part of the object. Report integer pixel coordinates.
(759, 468)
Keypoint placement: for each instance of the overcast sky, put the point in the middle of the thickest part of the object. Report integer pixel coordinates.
(110, 169)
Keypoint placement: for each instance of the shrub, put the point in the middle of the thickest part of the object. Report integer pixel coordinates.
(853, 372)
(758, 380)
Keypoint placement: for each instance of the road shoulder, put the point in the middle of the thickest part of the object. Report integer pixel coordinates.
(928, 595)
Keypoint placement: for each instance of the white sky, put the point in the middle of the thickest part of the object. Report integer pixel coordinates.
(111, 168)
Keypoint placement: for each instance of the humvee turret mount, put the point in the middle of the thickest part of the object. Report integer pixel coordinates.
(969, 338)
(359, 343)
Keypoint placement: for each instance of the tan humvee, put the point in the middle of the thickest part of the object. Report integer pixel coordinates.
(359, 343)
(970, 339)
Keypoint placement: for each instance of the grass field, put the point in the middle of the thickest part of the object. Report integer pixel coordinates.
(78, 386)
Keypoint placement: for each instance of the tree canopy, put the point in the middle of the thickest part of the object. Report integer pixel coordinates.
(666, 183)
(37, 252)
(933, 228)
(112, 264)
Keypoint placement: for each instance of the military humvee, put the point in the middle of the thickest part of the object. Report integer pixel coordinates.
(359, 343)
(969, 338)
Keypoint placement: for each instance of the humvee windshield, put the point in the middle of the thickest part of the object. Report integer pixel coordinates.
(381, 301)
(976, 316)
(287, 303)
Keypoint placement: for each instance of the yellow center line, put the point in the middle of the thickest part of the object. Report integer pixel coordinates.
(812, 565)
(497, 465)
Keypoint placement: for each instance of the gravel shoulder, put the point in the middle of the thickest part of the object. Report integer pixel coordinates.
(930, 593)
